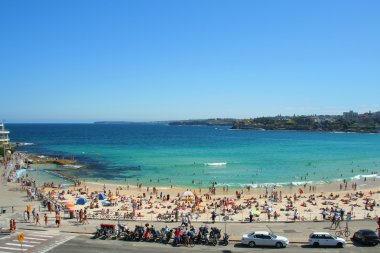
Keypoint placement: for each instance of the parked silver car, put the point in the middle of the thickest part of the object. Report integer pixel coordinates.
(325, 239)
(264, 238)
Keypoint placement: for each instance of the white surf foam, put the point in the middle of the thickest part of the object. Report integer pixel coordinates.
(358, 177)
(216, 164)
(73, 166)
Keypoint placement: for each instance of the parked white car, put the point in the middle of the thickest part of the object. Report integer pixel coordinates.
(325, 239)
(264, 238)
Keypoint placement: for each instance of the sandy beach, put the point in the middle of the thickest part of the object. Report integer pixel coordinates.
(267, 204)
(356, 199)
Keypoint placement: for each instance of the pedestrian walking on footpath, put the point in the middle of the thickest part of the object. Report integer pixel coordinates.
(37, 218)
(57, 220)
(11, 225)
(34, 214)
(46, 219)
(25, 216)
(176, 214)
(213, 216)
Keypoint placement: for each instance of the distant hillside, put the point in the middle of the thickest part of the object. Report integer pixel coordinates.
(128, 123)
(112, 122)
(203, 122)
(348, 122)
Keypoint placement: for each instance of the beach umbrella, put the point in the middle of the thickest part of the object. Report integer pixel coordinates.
(101, 196)
(81, 201)
(231, 203)
(256, 212)
(69, 205)
(106, 203)
(187, 194)
(113, 198)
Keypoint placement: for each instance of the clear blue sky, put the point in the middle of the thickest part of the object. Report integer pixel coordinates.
(82, 61)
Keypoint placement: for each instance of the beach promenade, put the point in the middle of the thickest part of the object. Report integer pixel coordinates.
(12, 199)
(71, 235)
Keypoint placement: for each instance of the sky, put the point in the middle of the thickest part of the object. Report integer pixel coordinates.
(85, 61)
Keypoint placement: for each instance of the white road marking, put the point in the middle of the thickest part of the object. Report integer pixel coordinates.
(27, 242)
(39, 235)
(33, 238)
(17, 249)
(56, 244)
(18, 244)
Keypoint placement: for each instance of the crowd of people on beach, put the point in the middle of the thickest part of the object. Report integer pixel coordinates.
(214, 203)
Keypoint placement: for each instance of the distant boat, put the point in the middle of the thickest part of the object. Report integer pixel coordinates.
(216, 164)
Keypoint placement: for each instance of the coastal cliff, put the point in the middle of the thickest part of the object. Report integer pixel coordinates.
(358, 123)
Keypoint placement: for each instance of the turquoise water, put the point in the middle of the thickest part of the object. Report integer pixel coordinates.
(178, 154)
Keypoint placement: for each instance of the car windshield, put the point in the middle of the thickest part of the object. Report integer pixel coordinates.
(368, 233)
(274, 236)
(333, 236)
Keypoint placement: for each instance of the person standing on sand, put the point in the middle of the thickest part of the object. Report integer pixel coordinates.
(46, 219)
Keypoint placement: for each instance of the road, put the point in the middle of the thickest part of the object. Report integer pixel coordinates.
(34, 242)
(81, 244)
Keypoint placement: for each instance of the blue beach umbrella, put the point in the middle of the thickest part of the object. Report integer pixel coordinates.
(101, 196)
(81, 201)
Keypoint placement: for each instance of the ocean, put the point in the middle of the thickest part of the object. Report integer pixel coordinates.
(198, 155)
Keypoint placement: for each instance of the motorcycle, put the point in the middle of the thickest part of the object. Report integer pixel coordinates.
(139, 233)
(168, 236)
(225, 239)
(214, 236)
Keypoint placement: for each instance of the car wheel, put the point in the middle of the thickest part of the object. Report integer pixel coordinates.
(339, 245)
(316, 244)
(279, 245)
(251, 244)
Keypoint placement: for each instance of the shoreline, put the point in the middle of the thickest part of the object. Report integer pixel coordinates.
(72, 164)
(148, 202)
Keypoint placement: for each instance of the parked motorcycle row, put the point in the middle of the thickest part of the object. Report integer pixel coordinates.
(176, 236)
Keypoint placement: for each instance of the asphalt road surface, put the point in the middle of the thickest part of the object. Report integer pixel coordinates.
(34, 242)
(83, 244)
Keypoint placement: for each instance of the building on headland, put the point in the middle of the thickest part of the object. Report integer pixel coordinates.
(4, 139)
(351, 115)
